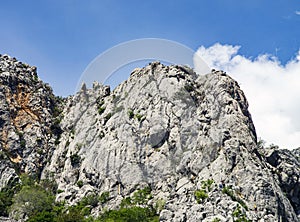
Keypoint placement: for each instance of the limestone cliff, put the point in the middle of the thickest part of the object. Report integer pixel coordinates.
(28, 120)
(166, 128)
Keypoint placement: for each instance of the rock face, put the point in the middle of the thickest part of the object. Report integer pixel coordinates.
(27, 120)
(285, 167)
(181, 134)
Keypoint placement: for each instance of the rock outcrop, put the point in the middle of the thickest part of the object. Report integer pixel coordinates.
(285, 167)
(28, 120)
(189, 138)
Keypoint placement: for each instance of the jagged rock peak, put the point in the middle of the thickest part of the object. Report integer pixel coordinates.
(11, 68)
(159, 68)
(27, 120)
(168, 128)
(189, 138)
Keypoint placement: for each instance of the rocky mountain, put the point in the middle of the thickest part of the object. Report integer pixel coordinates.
(188, 139)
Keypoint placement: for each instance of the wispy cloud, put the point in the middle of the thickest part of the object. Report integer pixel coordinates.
(271, 88)
(297, 12)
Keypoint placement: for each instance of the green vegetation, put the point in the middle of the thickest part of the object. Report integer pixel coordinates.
(75, 159)
(227, 190)
(107, 117)
(67, 143)
(131, 209)
(57, 113)
(104, 197)
(81, 211)
(21, 138)
(6, 196)
(200, 195)
(101, 110)
(140, 197)
(31, 200)
(100, 106)
(49, 185)
(130, 113)
(78, 146)
(132, 214)
(72, 131)
(36, 200)
(160, 205)
(79, 183)
(137, 115)
(35, 78)
(216, 220)
(239, 216)
(22, 143)
(207, 184)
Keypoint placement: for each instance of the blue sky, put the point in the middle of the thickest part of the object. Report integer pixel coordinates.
(255, 41)
(62, 37)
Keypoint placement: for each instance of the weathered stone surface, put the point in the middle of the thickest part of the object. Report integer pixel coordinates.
(27, 120)
(3, 219)
(285, 166)
(165, 127)
(169, 129)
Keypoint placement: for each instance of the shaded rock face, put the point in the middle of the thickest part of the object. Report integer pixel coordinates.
(26, 120)
(165, 127)
(285, 166)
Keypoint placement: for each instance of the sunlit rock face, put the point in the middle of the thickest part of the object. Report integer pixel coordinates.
(165, 127)
(27, 120)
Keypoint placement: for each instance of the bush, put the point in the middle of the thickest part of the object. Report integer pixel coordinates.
(80, 183)
(126, 202)
(200, 196)
(142, 196)
(239, 216)
(43, 216)
(90, 200)
(75, 159)
(6, 196)
(101, 110)
(49, 185)
(139, 117)
(73, 215)
(22, 143)
(130, 114)
(132, 214)
(229, 192)
(28, 180)
(160, 205)
(31, 200)
(206, 184)
(104, 197)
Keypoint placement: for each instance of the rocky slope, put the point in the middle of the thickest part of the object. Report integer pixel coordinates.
(28, 111)
(189, 138)
(285, 167)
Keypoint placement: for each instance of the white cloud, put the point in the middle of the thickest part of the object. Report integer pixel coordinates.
(272, 90)
(297, 12)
